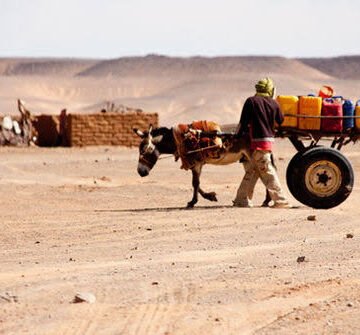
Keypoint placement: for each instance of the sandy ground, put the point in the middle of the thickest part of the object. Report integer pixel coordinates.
(82, 220)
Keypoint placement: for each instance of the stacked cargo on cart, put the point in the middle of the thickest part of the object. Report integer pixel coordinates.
(318, 176)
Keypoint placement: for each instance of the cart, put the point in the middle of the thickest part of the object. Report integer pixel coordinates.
(319, 176)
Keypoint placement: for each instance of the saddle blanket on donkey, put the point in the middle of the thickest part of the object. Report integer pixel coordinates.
(197, 142)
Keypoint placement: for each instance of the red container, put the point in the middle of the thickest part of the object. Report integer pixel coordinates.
(332, 107)
(326, 92)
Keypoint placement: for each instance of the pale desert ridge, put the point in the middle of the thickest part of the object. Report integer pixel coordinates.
(81, 220)
(179, 89)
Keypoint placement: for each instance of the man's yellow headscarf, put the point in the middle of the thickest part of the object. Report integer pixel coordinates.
(265, 87)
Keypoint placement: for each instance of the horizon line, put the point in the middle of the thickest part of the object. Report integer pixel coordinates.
(177, 56)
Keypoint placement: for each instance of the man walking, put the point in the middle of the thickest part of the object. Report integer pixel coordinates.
(258, 121)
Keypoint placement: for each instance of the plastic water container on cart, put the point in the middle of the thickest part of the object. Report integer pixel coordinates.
(289, 105)
(357, 113)
(332, 107)
(348, 110)
(310, 106)
(326, 92)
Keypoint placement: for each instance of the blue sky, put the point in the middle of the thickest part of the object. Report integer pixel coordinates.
(115, 28)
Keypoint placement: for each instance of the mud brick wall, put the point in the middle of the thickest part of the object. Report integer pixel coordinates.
(107, 128)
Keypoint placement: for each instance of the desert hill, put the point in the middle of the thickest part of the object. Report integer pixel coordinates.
(166, 66)
(44, 67)
(179, 89)
(155, 65)
(345, 67)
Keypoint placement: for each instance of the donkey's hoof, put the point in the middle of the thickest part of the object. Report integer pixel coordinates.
(190, 204)
(265, 204)
(211, 196)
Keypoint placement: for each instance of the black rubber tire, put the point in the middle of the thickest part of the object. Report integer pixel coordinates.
(292, 183)
(320, 177)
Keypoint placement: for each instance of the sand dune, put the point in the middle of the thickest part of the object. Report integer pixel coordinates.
(179, 89)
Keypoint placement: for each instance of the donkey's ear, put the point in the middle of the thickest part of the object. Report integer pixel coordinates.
(157, 139)
(138, 132)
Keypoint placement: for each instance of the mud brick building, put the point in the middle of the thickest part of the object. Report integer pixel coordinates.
(93, 129)
(107, 128)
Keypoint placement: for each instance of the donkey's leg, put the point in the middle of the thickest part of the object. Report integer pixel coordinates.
(211, 196)
(196, 171)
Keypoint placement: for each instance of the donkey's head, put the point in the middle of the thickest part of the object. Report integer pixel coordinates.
(148, 151)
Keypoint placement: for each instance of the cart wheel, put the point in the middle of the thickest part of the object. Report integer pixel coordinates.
(320, 177)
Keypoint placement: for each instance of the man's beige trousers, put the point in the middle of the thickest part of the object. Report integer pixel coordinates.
(259, 166)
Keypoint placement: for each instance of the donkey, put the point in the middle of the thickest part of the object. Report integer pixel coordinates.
(156, 142)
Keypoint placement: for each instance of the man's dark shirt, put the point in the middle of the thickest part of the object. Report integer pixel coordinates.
(258, 118)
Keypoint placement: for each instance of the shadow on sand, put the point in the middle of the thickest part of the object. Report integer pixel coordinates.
(173, 209)
(163, 209)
